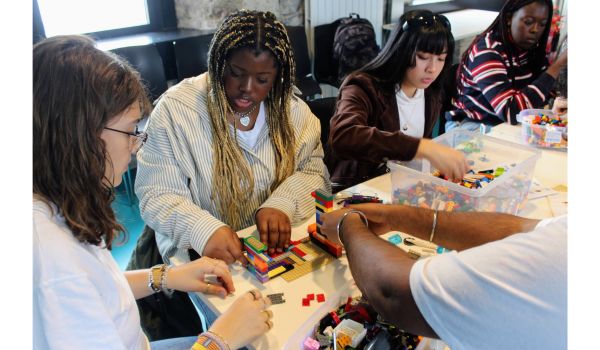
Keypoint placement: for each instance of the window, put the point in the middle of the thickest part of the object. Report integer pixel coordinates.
(105, 18)
(89, 16)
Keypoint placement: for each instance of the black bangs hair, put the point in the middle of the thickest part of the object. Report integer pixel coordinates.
(434, 41)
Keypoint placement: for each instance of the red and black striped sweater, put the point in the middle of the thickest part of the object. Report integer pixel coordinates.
(486, 93)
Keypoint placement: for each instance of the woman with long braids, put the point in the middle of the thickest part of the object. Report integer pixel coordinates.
(232, 147)
(87, 105)
(505, 69)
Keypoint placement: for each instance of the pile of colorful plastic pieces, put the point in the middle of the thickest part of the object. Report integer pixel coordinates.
(542, 119)
(475, 180)
(542, 130)
(356, 325)
(507, 197)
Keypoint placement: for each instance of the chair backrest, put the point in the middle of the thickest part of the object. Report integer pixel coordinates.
(323, 108)
(324, 69)
(146, 60)
(300, 46)
(191, 55)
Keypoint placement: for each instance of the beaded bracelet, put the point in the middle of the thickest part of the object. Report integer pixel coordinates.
(163, 281)
(205, 343)
(217, 338)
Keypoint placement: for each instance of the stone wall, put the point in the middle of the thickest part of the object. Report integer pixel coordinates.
(207, 14)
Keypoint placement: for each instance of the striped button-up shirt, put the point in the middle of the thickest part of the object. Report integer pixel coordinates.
(486, 93)
(175, 169)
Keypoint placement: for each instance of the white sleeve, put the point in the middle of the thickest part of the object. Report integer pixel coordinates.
(73, 316)
(498, 295)
(166, 203)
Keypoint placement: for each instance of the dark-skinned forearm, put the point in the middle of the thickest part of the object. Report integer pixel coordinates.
(382, 272)
(457, 230)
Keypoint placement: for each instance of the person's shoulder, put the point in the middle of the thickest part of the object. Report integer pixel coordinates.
(191, 92)
(491, 41)
(300, 112)
(360, 79)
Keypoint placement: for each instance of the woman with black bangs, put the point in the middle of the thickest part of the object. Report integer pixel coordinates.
(387, 109)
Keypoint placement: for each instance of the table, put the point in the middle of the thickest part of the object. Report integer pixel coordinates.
(291, 321)
(149, 38)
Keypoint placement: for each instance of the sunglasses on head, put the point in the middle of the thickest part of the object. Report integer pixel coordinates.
(425, 20)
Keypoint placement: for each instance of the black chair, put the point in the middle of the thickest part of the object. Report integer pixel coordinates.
(146, 60)
(304, 79)
(323, 108)
(191, 55)
(325, 69)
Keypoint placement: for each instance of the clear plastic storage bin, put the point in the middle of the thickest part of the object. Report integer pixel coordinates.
(545, 136)
(413, 184)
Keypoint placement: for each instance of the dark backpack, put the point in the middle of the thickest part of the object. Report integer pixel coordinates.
(354, 45)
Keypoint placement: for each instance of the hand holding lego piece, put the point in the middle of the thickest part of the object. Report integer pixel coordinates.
(190, 277)
(224, 244)
(245, 320)
(447, 160)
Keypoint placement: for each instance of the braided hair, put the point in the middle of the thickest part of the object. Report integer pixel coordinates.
(536, 56)
(233, 182)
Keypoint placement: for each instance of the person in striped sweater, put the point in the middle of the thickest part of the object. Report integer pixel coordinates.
(505, 69)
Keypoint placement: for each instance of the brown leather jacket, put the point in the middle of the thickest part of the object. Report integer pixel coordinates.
(365, 131)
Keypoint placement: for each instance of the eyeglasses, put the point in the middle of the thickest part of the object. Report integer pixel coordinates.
(425, 20)
(137, 138)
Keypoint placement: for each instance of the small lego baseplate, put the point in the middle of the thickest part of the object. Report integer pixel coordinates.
(300, 258)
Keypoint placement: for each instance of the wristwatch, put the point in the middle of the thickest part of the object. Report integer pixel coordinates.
(154, 277)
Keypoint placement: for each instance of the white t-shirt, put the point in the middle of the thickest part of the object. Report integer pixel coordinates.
(508, 294)
(411, 111)
(251, 136)
(81, 300)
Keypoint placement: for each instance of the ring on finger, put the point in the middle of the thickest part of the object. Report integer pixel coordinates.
(267, 313)
(253, 292)
(269, 324)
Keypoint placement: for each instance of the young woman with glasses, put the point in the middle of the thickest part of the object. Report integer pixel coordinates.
(387, 109)
(505, 69)
(87, 105)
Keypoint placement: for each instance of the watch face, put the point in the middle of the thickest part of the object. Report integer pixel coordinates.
(155, 277)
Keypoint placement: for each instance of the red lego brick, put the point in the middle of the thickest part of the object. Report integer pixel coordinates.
(305, 302)
(310, 296)
(320, 298)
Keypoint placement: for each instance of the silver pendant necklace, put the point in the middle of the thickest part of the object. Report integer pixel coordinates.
(409, 117)
(245, 117)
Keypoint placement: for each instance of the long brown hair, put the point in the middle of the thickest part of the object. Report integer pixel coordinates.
(77, 90)
(232, 177)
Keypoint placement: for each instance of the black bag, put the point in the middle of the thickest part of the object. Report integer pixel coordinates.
(162, 317)
(354, 45)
